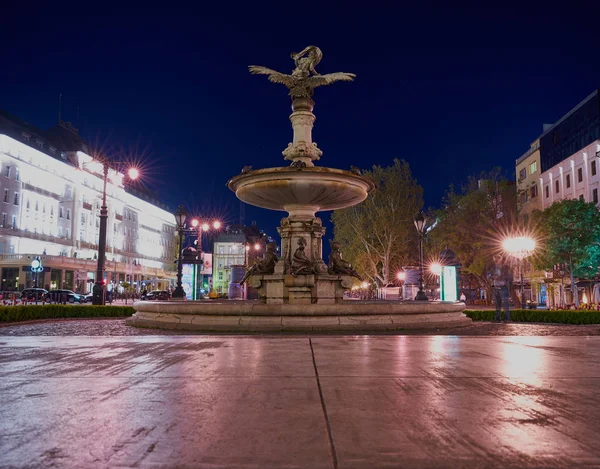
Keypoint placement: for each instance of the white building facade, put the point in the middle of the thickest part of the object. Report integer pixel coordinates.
(577, 177)
(50, 205)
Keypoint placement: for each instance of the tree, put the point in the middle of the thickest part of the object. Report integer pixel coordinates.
(473, 222)
(378, 235)
(570, 231)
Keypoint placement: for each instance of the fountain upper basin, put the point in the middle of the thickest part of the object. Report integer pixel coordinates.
(301, 192)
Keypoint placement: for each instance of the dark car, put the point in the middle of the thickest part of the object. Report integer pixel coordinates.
(32, 294)
(69, 296)
(160, 295)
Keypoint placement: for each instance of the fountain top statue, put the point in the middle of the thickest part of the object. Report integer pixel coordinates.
(304, 78)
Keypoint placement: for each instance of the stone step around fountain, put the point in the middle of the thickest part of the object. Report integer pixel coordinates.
(247, 316)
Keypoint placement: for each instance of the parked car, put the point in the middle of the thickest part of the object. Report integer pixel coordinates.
(31, 294)
(160, 295)
(72, 297)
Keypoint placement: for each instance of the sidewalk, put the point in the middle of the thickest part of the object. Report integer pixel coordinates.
(309, 402)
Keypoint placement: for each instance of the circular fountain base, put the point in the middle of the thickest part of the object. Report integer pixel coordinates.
(249, 316)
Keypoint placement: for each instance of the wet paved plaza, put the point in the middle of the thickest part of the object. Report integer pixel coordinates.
(165, 401)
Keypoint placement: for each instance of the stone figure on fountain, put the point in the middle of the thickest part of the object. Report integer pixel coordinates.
(265, 266)
(339, 266)
(301, 263)
(304, 78)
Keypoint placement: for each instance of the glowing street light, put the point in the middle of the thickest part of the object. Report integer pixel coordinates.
(205, 227)
(401, 276)
(98, 292)
(180, 216)
(217, 225)
(436, 268)
(195, 223)
(519, 247)
(420, 226)
(133, 173)
(257, 247)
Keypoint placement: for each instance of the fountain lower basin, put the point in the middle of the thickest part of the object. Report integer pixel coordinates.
(252, 316)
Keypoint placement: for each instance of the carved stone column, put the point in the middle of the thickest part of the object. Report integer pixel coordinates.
(302, 147)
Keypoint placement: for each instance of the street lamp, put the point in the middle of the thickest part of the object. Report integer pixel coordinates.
(519, 247)
(180, 216)
(98, 297)
(420, 226)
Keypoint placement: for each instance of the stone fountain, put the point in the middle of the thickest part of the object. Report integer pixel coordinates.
(299, 291)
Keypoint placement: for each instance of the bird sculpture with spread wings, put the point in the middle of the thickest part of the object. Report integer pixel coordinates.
(304, 79)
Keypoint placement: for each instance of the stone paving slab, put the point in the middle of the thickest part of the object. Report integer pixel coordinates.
(310, 402)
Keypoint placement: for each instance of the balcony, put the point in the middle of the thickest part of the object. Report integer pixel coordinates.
(119, 217)
(39, 190)
(8, 231)
(87, 206)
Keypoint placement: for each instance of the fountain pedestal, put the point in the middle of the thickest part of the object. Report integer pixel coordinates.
(280, 288)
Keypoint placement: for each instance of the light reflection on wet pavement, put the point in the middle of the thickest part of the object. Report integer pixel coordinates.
(117, 327)
(283, 402)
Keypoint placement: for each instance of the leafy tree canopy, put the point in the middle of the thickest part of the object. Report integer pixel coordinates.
(378, 235)
(473, 222)
(570, 233)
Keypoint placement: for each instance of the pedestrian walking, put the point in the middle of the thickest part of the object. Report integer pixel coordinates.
(463, 298)
(502, 278)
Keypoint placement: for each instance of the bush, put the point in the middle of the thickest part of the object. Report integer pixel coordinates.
(540, 315)
(29, 312)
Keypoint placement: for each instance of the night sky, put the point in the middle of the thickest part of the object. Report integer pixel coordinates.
(452, 91)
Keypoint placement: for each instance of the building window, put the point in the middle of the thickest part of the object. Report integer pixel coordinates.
(26, 137)
(581, 197)
(68, 214)
(14, 222)
(595, 196)
(37, 207)
(220, 275)
(547, 191)
(6, 195)
(556, 186)
(533, 167)
(579, 175)
(568, 181)
(534, 191)
(60, 211)
(7, 171)
(593, 167)
(51, 210)
(68, 235)
(18, 175)
(39, 144)
(52, 150)
(523, 174)
(16, 199)
(4, 220)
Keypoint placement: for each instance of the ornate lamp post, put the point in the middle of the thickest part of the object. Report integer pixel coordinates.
(98, 297)
(520, 247)
(420, 226)
(180, 216)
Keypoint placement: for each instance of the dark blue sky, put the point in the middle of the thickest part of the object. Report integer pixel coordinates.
(452, 91)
